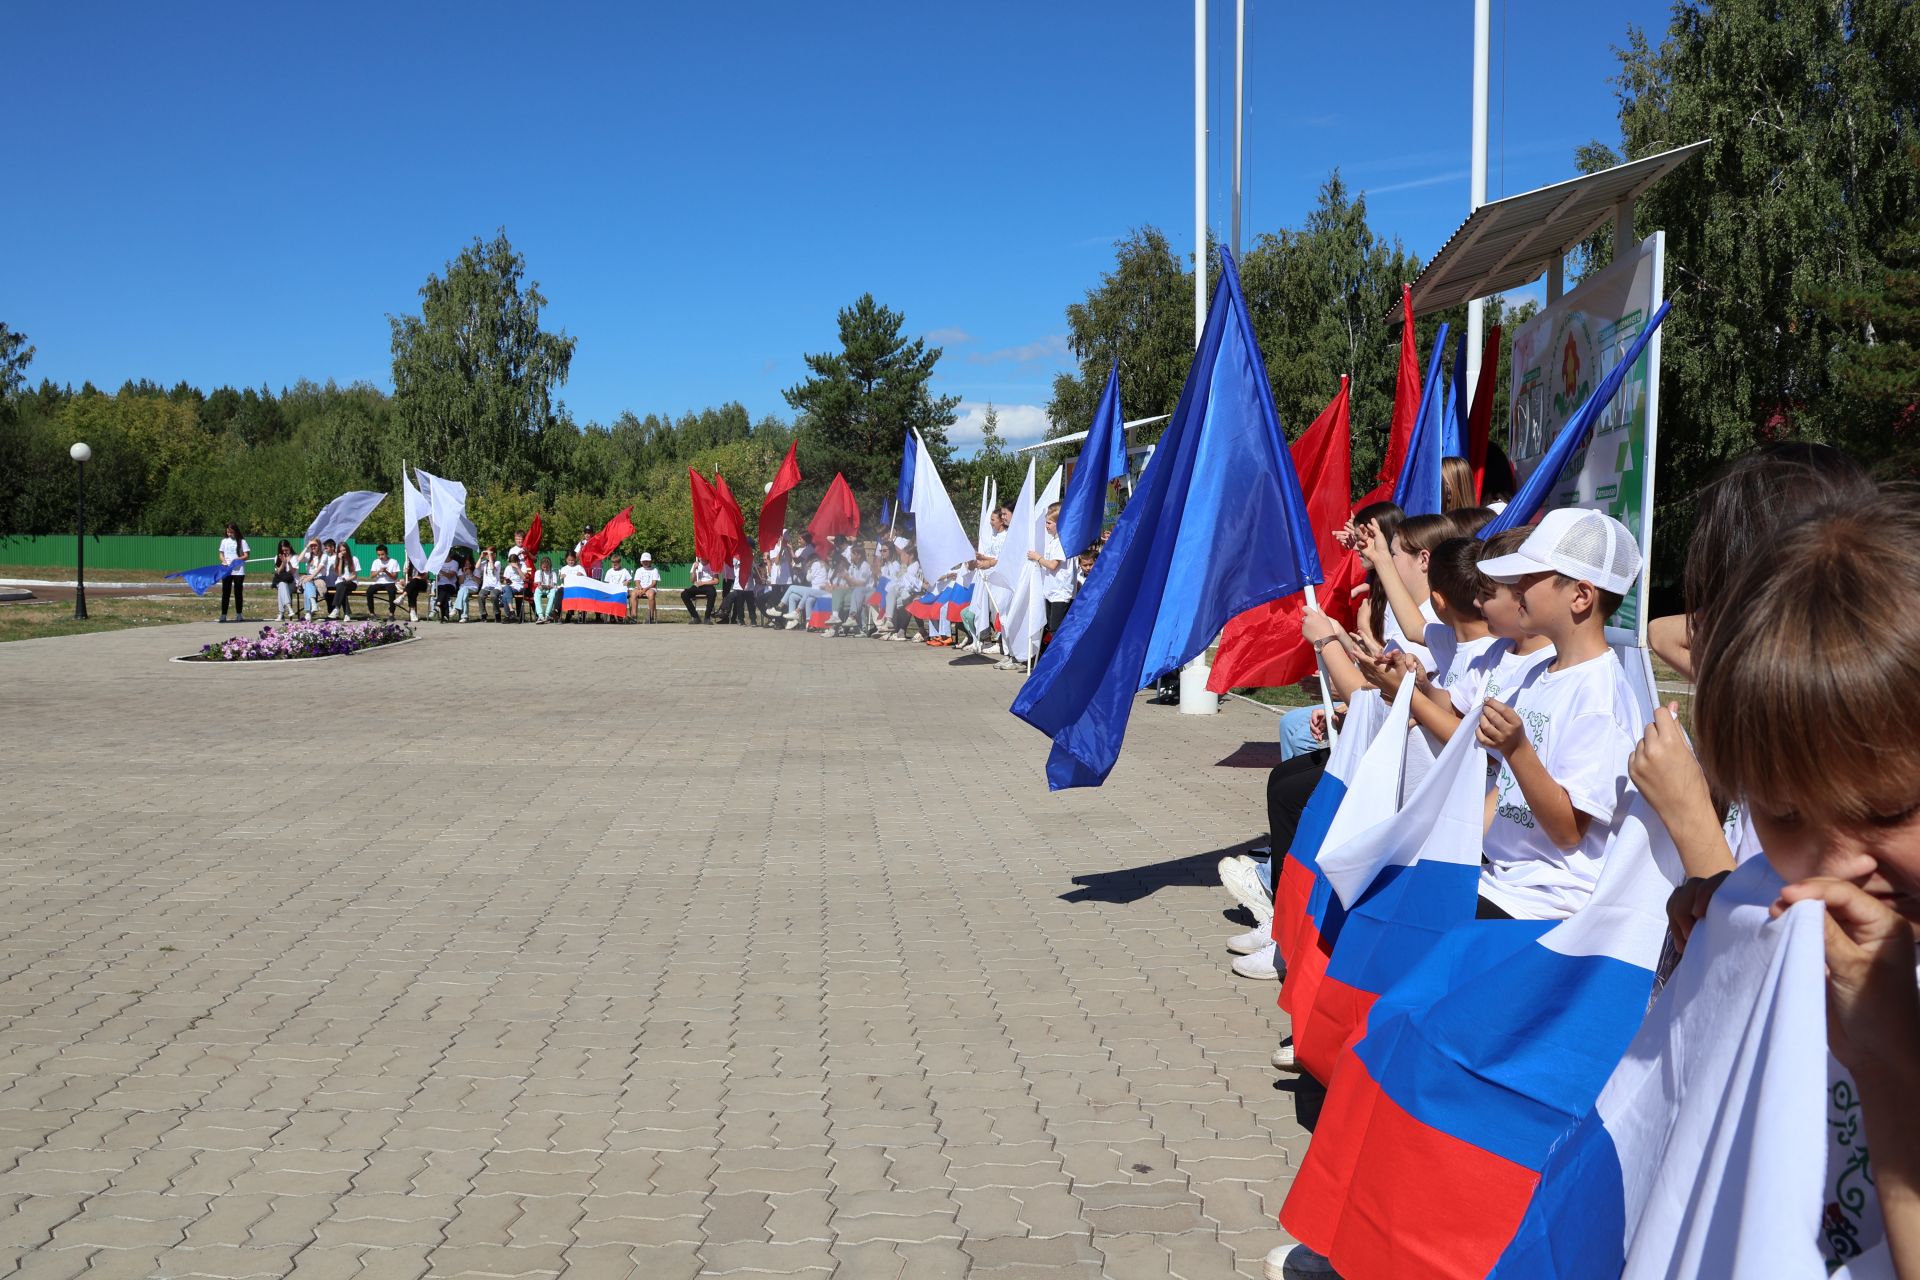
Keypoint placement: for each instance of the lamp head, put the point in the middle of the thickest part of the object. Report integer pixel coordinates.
(81, 452)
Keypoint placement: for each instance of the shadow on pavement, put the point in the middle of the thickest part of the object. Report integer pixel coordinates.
(1135, 883)
(1262, 754)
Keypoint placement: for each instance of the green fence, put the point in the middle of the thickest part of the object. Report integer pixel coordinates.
(168, 555)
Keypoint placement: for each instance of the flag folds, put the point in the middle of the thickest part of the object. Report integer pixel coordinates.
(1103, 459)
(838, 514)
(942, 540)
(773, 510)
(589, 596)
(1480, 417)
(202, 578)
(1216, 526)
(1706, 1153)
(733, 524)
(1418, 489)
(1406, 403)
(1263, 646)
(605, 542)
(706, 520)
(909, 474)
(530, 543)
(1545, 476)
(342, 518)
(446, 503)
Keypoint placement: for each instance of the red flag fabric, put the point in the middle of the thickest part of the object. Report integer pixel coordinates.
(1406, 396)
(706, 520)
(1480, 417)
(838, 513)
(1263, 646)
(773, 512)
(611, 535)
(733, 525)
(531, 542)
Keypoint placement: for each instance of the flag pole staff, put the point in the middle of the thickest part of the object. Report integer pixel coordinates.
(1326, 693)
(1477, 195)
(1199, 171)
(1239, 107)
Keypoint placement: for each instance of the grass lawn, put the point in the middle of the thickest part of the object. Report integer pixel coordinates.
(104, 613)
(64, 573)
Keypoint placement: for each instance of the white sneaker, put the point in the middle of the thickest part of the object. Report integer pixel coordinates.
(1297, 1262)
(1243, 882)
(1006, 664)
(794, 624)
(1283, 1057)
(1245, 944)
(1259, 964)
(413, 615)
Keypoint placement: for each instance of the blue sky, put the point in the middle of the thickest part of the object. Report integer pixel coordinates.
(240, 193)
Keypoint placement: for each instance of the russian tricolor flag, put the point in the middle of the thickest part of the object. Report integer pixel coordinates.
(819, 611)
(1391, 889)
(1301, 869)
(1473, 1065)
(587, 595)
(1706, 1153)
(945, 603)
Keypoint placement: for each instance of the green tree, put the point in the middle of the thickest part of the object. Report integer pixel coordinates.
(1802, 191)
(861, 401)
(473, 373)
(15, 356)
(1141, 314)
(993, 461)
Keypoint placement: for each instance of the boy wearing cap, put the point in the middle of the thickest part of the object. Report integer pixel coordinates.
(645, 586)
(1565, 739)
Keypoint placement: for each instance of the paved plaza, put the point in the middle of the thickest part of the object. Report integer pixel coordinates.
(618, 951)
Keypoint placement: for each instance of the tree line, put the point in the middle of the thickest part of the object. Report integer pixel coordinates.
(1795, 261)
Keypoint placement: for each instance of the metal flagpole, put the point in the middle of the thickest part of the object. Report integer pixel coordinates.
(1199, 171)
(1239, 108)
(1478, 194)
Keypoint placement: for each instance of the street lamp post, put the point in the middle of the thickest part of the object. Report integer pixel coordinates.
(80, 453)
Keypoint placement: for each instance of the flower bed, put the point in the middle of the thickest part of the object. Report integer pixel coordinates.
(305, 640)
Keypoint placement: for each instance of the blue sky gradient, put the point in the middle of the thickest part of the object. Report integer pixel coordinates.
(240, 193)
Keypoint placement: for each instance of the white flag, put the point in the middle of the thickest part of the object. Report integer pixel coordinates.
(340, 518)
(942, 539)
(415, 509)
(447, 510)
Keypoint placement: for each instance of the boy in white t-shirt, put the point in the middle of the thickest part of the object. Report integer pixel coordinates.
(619, 577)
(1565, 741)
(645, 586)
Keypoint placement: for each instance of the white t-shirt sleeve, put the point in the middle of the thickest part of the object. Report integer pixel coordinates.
(1588, 757)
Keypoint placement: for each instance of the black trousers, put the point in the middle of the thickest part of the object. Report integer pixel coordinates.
(341, 598)
(416, 587)
(1289, 787)
(443, 594)
(392, 597)
(691, 594)
(230, 589)
(1488, 911)
(1056, 614)
(742, 606)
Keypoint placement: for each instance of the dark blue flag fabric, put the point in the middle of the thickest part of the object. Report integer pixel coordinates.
(202, 578)
(903, 489)
(1533, 495)
(1418, 489)
(1453, 433)
(1216, 525)
(886, 511)
(1084, 506)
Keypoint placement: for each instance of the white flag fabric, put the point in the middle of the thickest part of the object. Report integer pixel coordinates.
(943, 542)
(415, 509)
(342, 517)
(447, 510)
(1013, 563)
(1373, 795)
(1049, 495)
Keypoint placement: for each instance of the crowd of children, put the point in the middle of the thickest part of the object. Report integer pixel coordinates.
(1801, 633)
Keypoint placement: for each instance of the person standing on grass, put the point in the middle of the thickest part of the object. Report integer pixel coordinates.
(233, 554)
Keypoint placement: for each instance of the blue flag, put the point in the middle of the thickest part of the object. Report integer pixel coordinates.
(903, 489)
(1453, 434)
(1103, 459)
(886, 511)
(1533, 495)
(1216, 525)
(1418, 489)
(202, 578)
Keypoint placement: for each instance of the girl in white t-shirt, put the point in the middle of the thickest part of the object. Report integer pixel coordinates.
(233, 554)
(1809, 686)
(546, 589)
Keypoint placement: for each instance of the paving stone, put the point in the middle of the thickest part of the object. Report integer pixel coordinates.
(835, 999)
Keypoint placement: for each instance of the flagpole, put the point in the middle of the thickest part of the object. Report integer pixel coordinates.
(1199, 171)
(1239, 108)
(1478, 194)
(1326, 695)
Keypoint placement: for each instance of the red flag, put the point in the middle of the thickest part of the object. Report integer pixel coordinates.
(838, 513)
(1406, 405)
(706, 520)
(531, 542)
(1263, 647)
(611, 535)
(733, 525)
(773, 512)
(1480, 418)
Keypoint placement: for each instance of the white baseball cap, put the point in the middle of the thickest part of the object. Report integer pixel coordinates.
(646, 557)
(1586, 545)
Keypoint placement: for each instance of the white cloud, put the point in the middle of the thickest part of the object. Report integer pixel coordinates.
(948, 337)
(1051, 347)
(1019, 424)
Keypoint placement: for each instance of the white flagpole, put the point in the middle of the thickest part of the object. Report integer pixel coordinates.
(1476, 318)
(1326, 693)
(1199, 171)
(1239, 111)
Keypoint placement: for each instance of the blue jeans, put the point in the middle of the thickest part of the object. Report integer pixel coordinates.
(460, 600)
(1296, 733)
